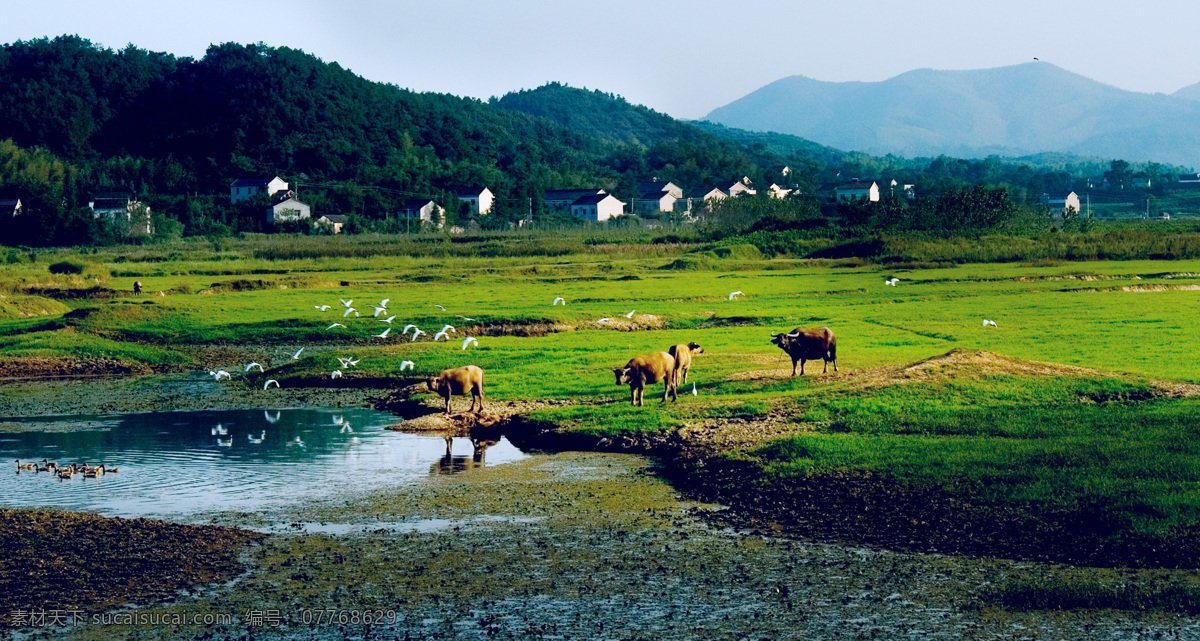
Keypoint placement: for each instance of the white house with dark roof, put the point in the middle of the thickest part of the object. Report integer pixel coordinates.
(736, 187)
(562, 199)
(10, 207)
(1062, 203)
(479, 199)
(654, 202)
(332, 222)
(121, 208)
(598, 207)
(288, 209)
(656, 186)
(247, 188)
(423, 209)
(856, 190)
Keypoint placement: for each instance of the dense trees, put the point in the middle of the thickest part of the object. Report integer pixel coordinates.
(79, 119)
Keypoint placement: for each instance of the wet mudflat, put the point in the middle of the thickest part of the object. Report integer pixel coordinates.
(592, 546)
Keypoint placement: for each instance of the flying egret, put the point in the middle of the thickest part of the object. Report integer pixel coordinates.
(220, 430)
(384, 302)
(323, 308)
(296, 356)
(892, 281)
(737, 293)
(348, 310)
(469, 320)
(416, 333)
(334, 325)
(441, 333)
(987, 322)
(470, 339)
(407, 365)
(451, 328)
(337, 373)
(217, 375)
(268, 384)
(604, 320)
(408, 327)
(559, 298)
(346, 303)
(378, 311)
(630, 314)
(439, 307)
(352, 362)
(383, 334)
(253, 365)
(388, 320)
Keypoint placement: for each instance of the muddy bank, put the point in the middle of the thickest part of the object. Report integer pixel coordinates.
(57, 560)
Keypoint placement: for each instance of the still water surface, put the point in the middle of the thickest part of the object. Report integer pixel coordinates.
(177, 463)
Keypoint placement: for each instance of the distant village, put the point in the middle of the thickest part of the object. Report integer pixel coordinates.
(595, 205)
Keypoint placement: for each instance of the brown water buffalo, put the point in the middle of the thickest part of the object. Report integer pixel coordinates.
(808, 345)
(648, 369)
(460, 380)
(683, 360)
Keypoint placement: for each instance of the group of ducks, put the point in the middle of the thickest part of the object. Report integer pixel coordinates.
(66, 471)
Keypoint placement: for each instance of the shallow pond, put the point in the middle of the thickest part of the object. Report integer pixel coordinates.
(174, 463)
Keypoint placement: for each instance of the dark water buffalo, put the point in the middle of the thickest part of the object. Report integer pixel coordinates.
(460, 380)
(648, 369)
(809, 345)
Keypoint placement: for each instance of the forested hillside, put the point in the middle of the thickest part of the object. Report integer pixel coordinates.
(77, 119)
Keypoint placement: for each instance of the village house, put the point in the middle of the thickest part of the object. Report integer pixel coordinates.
(660, 186)
(424, 210)
(121, 209)
(598, 207)
(702, 195)
(562, 199)
(247, 188)
(288, 209)
(857, 190)
(778, 192)
(658, 197)
(332, 222)
(10, 207)
(737, 187)
(478, 199)
(1062, 204)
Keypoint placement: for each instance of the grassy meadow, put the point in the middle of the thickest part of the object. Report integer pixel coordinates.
(1104, 439)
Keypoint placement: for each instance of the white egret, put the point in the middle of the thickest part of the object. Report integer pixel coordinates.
(388, 320)
(989, 322)
(253, 365)
(383, 334)
(694, 392)
(604, 320)
(630, 314)
(219, 374)
(408, 327)
(348, 310)
(352, 362)
(559, 298)
(220, 430)
(378, 311)
(416, 333)
(470, 339)
(256, 440)
(441, 333)
(407, 365)
(346, 303)
(449, 327)
(268, 384)
(469, 320)
(737, 293)
(337, 373)
(296, 356)
(384, 302)
(439, 307)
(323, 308)
(334, 325)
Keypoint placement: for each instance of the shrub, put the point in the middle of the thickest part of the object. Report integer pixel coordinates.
(67, 267)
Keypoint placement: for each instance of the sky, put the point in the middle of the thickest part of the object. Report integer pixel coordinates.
(680, 57)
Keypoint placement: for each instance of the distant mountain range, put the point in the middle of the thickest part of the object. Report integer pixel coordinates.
(1009, 111)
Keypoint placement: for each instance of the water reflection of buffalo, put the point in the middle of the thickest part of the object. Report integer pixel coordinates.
(452, 464)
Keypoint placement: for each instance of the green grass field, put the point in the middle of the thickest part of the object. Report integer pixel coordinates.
(1063, 442)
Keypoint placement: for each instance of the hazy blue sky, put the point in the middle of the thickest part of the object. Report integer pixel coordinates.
(683, 58)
